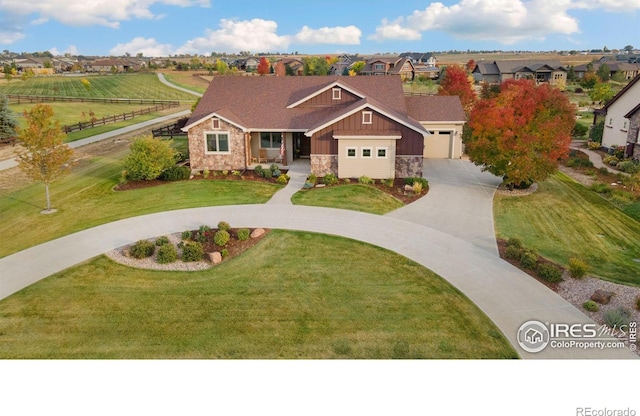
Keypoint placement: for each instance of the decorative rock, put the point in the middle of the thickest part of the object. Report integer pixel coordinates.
(257, 232)
(320, 185)
(603, 297)
(408, 187)
(215, 257)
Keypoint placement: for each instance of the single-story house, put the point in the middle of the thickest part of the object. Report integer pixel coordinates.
(496, 72)
(628, 70)
(349, 126)
(420, 58)
(390, 66)
(618, 114)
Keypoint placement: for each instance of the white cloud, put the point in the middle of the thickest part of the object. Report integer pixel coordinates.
(148, 47)
(505, 21)
(256, 35)
(71, 50)
(340, 35)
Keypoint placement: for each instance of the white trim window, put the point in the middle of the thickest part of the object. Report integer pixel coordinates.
(352, 152)
(366, 152)
(381, 152)
(624, 127)
(336, 94)
(367, 117)
(610, 122)
(217, 142)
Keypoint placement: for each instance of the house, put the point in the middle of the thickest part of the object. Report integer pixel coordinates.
(349, 126)
(627, 69)
(344, 62)
(444, 118)
(390, 66)
(419, 58)
(247, 64)
(496, 72)
(618, 114)
(296, 67)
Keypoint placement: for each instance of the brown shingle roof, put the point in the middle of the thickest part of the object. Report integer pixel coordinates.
(435, 108)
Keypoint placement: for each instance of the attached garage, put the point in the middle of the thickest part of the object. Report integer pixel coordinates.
(374, 157)
(439, 145)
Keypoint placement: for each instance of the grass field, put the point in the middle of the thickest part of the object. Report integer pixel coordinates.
(294, 295)
(144, 86)
(564, 219)
(85, 199)
(186, 80)
(354, 197)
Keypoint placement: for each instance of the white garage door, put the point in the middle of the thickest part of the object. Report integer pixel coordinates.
(437, 145)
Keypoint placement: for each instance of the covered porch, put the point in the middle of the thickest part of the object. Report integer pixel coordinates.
(275, 147)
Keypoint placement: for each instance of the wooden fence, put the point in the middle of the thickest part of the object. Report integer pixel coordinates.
(115, 118)
(19, 99)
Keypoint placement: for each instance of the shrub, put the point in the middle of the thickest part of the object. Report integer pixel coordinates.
(514, 242)
(579, 130)
(224, 226)
(528, 259)
(617, 151)
(266, 174)
(273, 167)
(175, 173)
(591, 306)
(417, 188)
(346, 181)
(312, 179)
(549, 272)
(149, 157)
(591, 145)
(161, 241)
(282, 180)
(243, 234)
(610, 160)
(579, 90)
(276, 172)
(236, 173)
(186, 235)
(258, 169)
(330, 179)
(576, 162)
(628, 166)
(365, 180)
(601, 188)
(167, 254)
(142, 249)
(617, 318)
(224, 252)
(221, 238)
(192, 251)
(388, 182)
(512, 252)
(206, 173)
(577, 268)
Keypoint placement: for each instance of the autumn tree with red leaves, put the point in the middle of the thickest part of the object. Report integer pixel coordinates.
(456, 82)
(264, 67)
(521, 133)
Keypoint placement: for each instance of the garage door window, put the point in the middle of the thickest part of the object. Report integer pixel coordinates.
(366, 152)
(351, 152)
(381, 152)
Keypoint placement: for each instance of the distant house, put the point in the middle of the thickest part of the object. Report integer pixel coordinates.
(390, 66)
(296, 66)
(344, 62)
(621, 118)
(349, 126)
(418, 58)
(496, 72)
(113, 65)
(247, 64)
(627, 69)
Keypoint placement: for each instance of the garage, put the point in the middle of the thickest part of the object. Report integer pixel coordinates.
(373, 157)
(439, 145)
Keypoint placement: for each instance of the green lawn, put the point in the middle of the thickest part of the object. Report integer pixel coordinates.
(294, 295)
(564, 219)
(354, 197)
(85, 199)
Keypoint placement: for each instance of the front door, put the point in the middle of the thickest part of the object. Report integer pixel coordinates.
(302, 145)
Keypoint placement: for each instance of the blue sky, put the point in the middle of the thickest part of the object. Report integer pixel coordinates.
(169, 27)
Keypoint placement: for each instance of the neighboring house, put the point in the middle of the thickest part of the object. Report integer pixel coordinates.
(109, 65)
(444, 118)
(344, 62)
(419, 58)
(496, 72)
(296, 66)
(629, 70)
(618, 114)
(247, 64)
(390, 66)
(349, 126)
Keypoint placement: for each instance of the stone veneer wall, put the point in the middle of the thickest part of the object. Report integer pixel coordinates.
(409, 166)
(634, 126)
(200, 160)
(324, 164)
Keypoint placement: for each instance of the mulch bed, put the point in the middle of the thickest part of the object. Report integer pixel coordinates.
(247, 175)
(398, 191)
(502, 248)
(235, 247)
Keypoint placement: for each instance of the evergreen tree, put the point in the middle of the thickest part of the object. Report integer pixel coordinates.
(8, 121)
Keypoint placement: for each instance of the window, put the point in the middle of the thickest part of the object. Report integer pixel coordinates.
(215, 123)
(217, 142)
(381, 152)
(269, 140)
(624, 127)
(367, 117)
(378, 67)
(336, 94)
(366, 152)
(351, 152)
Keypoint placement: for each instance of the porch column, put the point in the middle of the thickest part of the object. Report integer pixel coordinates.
(247, 149)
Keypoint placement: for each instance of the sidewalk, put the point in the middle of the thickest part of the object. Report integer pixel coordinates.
(594, 157)
(298, 172)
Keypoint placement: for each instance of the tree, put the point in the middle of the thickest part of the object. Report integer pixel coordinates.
(471, 65)
(221, 67)
(604, 73)
(357, 66)
(456, 82)
(628, 49)
(316, 66)
(522, 132)
(8, 122)
(589, 80)
(571, 73)
(264, 67)
(45, 157)
(601, 93)
(149, 157)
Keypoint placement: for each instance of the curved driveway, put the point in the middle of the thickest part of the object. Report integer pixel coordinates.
(508, 296)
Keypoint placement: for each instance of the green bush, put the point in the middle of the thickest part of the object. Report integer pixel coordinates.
(576, 162)
(258, 169)
(591, 306)
(528, 259)
(312, 179)
(275, 173)
(514, 242)
(579, 130)
(365, 180)
(148, 158)
(628, 166)
(388, 182)
(273, 167)
(549, 272)
(610, 160)
(617, 318)
(591, 145)
(192, 251)
(175, 173)
(513, 252)
(224, 252)
(186, 235)
(222, 238)
(167, 254)
(330, 179)
(142, 249)
(243, 234)
(160, 241)
(282, 180)
(413, 179)
(577, 268)
(601, 188)
(266, 174)
(224, 226)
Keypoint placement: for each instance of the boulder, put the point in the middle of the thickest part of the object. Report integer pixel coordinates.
(257, 232)
(408, 188)
(215, 257)
(603, 297)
